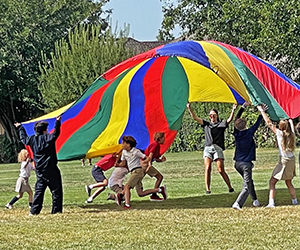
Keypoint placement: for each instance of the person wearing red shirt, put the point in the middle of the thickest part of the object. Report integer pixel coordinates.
(153, 152)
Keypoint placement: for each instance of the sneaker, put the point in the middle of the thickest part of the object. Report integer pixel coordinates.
(230, 190)
(127, 206)
(270, 206)
(164, 191)
(208, 192)
(295, 203)
(155, 197)
(236, 206)
(119, 199)
(111, 196)
(88, 190)
(89, 200)
(256, 203)
(8, 206)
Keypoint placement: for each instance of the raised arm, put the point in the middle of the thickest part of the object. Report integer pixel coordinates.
(292, 125)
(261, 109)
(196, 118)
(232, 113)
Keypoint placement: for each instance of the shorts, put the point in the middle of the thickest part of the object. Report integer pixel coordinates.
(22, 185)
(152, 171)
(213, 152)
(98, 175)
(135, 179)
(117, 189)
(285, 169)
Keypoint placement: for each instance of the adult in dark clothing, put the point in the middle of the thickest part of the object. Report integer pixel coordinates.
(214, 144)
(244, 155)
(47, 172)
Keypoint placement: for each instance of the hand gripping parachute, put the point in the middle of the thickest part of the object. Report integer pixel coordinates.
(148, 93)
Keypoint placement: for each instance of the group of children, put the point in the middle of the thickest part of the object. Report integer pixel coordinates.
(139, 163)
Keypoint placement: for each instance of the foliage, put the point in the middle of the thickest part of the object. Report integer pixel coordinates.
(78, 61)
(191, 136)
(188, 219)
(255, 26)
(26, 29)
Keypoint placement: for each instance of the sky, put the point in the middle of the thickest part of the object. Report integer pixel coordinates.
(143, 16)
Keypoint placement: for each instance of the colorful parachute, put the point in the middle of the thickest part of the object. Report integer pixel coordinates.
(149, 92)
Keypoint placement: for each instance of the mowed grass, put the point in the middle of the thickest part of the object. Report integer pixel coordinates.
(188, 219)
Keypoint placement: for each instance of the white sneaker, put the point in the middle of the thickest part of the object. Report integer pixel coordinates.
(236, 206)
(89, 200)
(8, 206)
(256, 203)
(270, 205)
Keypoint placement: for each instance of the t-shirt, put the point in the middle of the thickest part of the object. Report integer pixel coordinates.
(25, 171)
(287, 154)
(133, 158)
(117, 176)
(245, 144)
(214, 133)
(153, 148)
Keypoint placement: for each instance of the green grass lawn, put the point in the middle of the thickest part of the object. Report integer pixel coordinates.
(188, 219)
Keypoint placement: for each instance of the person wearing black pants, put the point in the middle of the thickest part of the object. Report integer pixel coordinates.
(47, 172)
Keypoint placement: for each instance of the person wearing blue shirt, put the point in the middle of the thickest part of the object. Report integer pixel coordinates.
(244, 155)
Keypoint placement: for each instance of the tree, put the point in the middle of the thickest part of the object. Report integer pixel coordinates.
(268, 29)
(78, 61)
(26, 29)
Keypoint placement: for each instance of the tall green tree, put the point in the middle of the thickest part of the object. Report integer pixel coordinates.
(78, 61)
(268, 29)
(26, 29)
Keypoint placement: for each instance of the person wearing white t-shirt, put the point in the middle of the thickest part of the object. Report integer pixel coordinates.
(285, 169)
(133, 157)
(115, 182)
(22, 184)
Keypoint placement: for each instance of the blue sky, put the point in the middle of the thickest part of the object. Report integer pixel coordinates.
(144, 17)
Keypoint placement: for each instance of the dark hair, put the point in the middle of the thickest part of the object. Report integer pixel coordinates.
(216, 111)
(130, 140)
(40, 127)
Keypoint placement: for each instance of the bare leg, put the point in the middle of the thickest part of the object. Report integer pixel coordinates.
(30, 198)
(142, 193)
(127, 194)
(291, 188)
(272, 190)
(207, 164)
(221, 170)
(97, 192)
(159, 179)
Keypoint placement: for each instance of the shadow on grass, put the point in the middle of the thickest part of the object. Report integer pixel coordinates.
(194, 202)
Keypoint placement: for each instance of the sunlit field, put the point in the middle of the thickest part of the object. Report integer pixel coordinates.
(188, 219)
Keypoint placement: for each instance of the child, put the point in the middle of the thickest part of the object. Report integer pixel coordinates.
(132, 156)
(244, 155)
(115, 182)
(107, 162)
(153, 152)
(83, 162)
(22, 184)
(285, 169)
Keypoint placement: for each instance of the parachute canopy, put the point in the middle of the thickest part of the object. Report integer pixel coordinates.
(148, 93)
